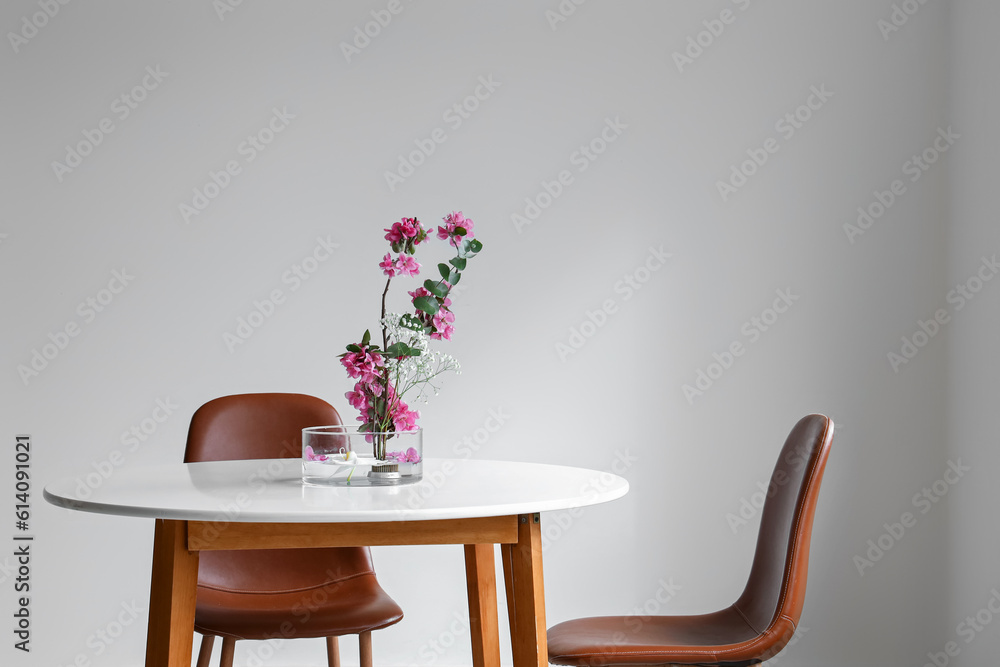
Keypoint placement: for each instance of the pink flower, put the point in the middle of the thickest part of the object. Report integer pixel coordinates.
(394, 234)
(420, 291)
(311, 455)
(451, 221)
(404, 419)
(363, 364)
(404, 265)
(388, 266)
(409, 456)
(407, 266)
(410, 227)
(357, 398)
(404, 230)
(442, 324)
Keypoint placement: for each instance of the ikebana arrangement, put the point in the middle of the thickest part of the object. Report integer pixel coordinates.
(404, 365)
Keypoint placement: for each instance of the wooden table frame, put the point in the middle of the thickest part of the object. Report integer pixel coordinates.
(177, 543)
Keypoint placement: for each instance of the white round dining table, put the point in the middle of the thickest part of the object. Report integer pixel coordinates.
(263, 504)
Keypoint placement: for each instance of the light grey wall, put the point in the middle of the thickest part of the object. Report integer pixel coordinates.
(880, 96)
(974, 574)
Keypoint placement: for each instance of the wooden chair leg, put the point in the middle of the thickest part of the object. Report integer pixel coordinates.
(228, 650)
(205, 652)
(507, 557)
(332, 651)
(365, 642)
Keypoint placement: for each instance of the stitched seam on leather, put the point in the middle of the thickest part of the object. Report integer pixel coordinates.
(798, 524)
(730, 648)
(280, 592)
(745, 619)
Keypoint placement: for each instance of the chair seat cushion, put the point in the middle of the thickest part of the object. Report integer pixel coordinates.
(720, 638)
(349, 606)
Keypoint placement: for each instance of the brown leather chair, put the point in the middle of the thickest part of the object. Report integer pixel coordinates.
(760, 623)
(286, 593)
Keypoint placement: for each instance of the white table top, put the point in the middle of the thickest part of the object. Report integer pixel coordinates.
(268, 491)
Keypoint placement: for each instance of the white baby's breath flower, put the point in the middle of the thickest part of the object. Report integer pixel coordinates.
(419, 372)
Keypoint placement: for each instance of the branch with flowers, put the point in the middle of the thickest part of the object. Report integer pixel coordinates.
(405, 363)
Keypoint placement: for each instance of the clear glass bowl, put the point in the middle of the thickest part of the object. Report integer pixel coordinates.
(345, 456)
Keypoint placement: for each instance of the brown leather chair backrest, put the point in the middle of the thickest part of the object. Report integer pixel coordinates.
(255, 426)
(266, 426)
(775, 592)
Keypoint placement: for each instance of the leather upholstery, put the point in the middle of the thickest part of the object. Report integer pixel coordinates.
(762, 621)
(258, 594)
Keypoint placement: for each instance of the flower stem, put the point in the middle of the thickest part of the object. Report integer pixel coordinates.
(380, 424)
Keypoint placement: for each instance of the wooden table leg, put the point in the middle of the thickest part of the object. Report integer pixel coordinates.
(172, 594)
(523, 570)
(480, 577)
(506, 557)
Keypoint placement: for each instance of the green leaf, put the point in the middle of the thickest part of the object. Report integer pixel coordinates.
(436, 288)
(454, 277)
(475, 245)
(399, 349)
(408, 321)
(367, 338)
(444, 270)
(458, 263)
(427, 304)
(464, 247)
(353, 348)
(461, 231)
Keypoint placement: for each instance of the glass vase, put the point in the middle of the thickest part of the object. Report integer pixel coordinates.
(345, 456)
